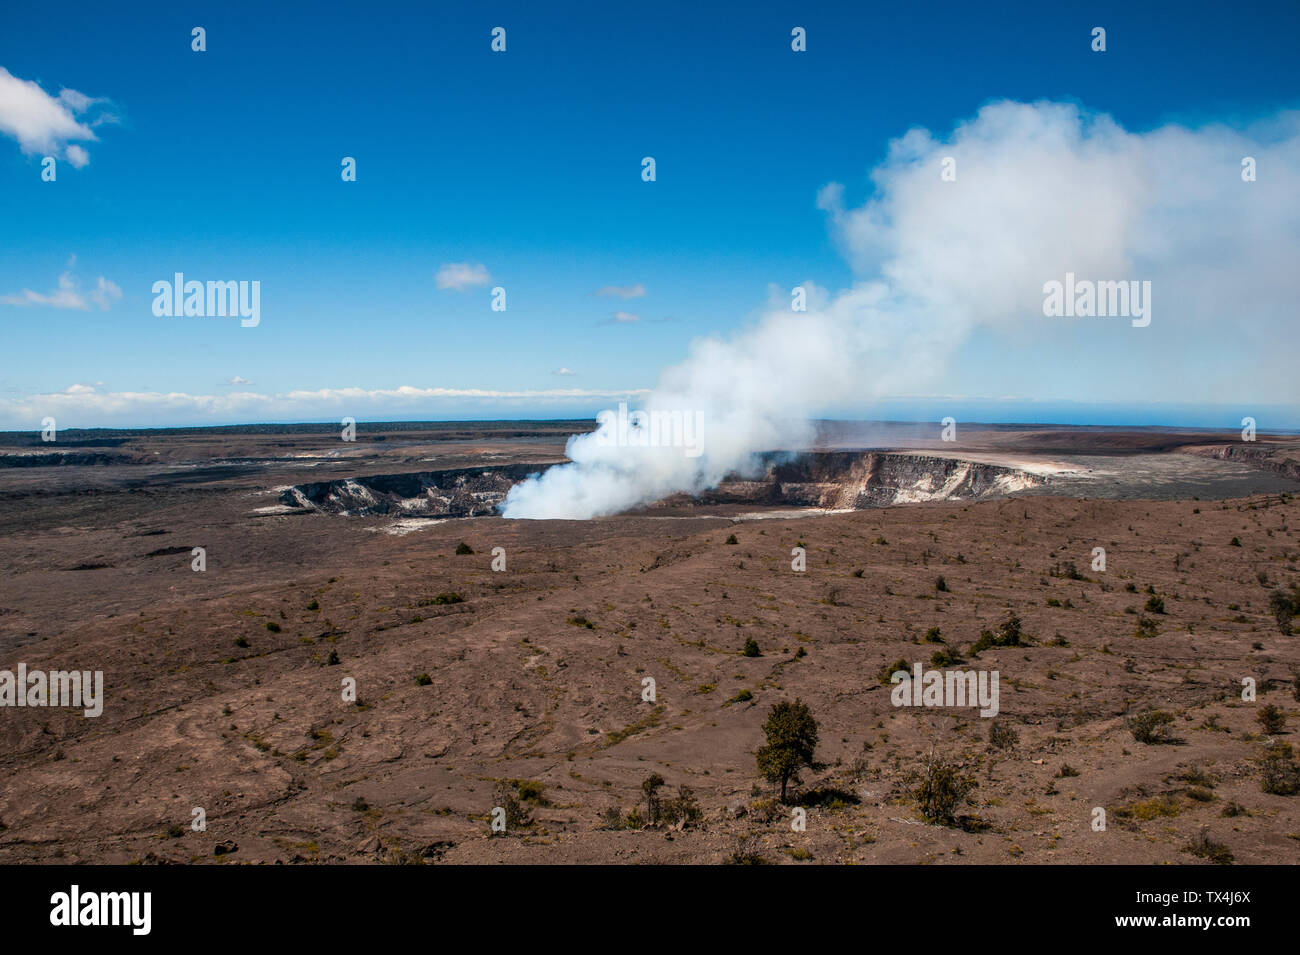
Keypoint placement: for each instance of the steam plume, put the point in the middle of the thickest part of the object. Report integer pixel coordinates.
(1041, 189)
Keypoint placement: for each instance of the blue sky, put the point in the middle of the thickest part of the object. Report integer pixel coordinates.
(225, 165)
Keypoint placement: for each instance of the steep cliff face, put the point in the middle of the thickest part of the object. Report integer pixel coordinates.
(1284, 460)
(835, 479)
(453, 492)
(862, 479)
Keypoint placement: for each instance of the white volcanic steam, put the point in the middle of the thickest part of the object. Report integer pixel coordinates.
(1041, 190)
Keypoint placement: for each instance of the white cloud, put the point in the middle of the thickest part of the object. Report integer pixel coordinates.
(238, 380)
(105, 293)
(563, 371)
(77, 102)
(459, 276)
(47, 125)
(85, 406)
(68, 294)
(623, 291)
(626, 318)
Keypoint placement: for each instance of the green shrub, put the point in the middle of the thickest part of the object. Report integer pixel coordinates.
(1279, 774)
(1008, 634)
(888, 672)
(943, 788)
(946, 657)
(1150, 726)
(1002, 736)
(1271, 719)
(1284, 607)
(1146, 628)
(504, 797)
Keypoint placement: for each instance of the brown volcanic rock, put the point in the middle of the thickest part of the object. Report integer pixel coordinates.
(536, 674)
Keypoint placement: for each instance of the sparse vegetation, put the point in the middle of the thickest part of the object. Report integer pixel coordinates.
(1146, 628)
(1206, 848)
(1008, 634)
(1002, 736)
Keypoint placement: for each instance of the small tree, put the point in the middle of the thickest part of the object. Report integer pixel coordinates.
(791, 743)
(1284, 610)
(943, 788)
(651, 787)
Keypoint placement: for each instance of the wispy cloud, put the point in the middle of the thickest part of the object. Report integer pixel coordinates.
(564, 372)
(83, 405)
(238, 380)
(623, 291)
(459, 276)
(47, 125)
(624, 318)
(68, 294)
